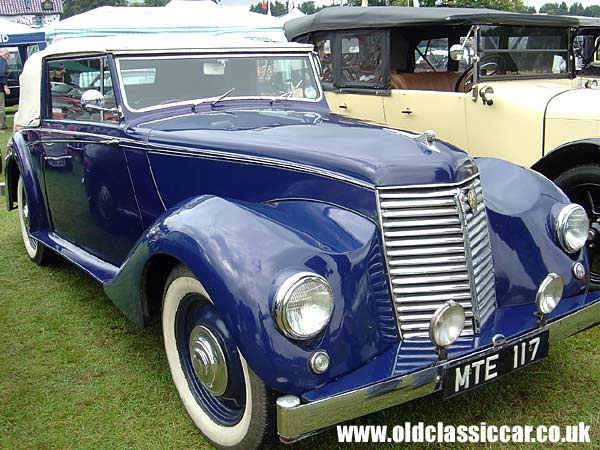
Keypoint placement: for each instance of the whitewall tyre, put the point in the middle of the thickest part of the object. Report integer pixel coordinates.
(228, 403)
(36, 251)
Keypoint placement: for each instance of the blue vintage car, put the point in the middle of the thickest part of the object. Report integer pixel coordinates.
(307, 268)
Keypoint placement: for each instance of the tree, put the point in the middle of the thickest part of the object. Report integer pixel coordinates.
(576, 9)
(72, 7)
(309, 7)
(278, 9)
(555, 8)
(504, 5)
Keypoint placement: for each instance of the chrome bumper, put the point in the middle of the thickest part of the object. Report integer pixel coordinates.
(297, 422)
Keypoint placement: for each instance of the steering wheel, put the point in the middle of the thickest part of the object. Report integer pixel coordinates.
(490, 64)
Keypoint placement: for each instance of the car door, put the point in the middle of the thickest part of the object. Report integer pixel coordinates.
(89, 193)
(426, 99)
(353, 72)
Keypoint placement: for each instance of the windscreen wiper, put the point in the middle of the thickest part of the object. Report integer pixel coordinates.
(215, 101)
(288, 93)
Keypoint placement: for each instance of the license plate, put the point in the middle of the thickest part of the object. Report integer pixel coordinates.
(469, 374)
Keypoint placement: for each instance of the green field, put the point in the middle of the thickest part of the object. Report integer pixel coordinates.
(75, 374)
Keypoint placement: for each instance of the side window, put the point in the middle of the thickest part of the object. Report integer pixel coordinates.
(362, 59)
(323, 49)
(432, 55)
(69, 79)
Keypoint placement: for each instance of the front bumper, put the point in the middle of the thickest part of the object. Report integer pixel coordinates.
(296, 422)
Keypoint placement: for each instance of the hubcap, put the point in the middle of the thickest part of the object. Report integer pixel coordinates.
(208, 360)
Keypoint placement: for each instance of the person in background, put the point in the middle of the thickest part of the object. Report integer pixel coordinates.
(4, 90)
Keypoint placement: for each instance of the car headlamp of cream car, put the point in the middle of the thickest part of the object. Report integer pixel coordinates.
(307, 268)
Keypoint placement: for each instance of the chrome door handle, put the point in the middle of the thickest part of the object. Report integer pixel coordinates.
(407, 111)
(110, 142)
(343, 106)
(56, 158)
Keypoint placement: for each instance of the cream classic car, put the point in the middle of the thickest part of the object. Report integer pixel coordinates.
(508, 85)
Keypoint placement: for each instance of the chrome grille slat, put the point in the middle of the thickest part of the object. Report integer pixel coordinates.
(429, 279)
(431, 307)
(422, 222)
(434, 297)
(420, 203)
(422, 212)
(437, 249)
(425, 241)
(427, 232)
(428, 260)
(417, 193)
(427, 251)
(424, 270)
(447, 287)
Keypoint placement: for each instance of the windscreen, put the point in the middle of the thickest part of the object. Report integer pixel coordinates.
(516, 51)
(151, 82)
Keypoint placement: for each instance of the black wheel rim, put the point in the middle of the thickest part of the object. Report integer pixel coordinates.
(226, 409)
(588, 196)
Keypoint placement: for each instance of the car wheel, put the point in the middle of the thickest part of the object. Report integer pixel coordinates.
(230, 405)
(582, 185)
(36, 251)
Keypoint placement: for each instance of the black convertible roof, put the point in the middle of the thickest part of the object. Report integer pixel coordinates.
(351, 17)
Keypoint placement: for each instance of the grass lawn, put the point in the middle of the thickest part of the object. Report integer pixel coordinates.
(75, 374)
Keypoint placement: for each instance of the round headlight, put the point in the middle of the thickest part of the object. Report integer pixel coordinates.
(549, 293)
(447, 323)
(572, 227)
(303, 305)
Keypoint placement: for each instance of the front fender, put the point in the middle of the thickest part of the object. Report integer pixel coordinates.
(237, 251)
(522, 206)
(19, 155)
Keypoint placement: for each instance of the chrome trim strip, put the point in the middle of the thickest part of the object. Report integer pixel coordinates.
(469, 262)
(215, 154)
(297, 422)
(427, 186)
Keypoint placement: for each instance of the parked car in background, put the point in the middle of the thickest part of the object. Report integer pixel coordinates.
(14, 71)
(308, 268)
(494, 83)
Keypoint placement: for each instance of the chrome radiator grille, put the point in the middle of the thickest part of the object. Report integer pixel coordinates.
(437, 249)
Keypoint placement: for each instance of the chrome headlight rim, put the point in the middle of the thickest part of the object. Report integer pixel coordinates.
(562, 221)
(282, 298)
(547, 282)
(440, 318)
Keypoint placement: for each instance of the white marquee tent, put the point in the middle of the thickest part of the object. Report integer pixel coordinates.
(177, 17)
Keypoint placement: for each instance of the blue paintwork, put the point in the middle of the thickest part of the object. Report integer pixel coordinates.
(244, 192)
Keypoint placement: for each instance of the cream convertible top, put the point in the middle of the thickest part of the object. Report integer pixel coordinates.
(28, 114)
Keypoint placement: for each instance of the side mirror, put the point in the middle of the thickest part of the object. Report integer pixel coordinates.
(457, 52)
(92, 100)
